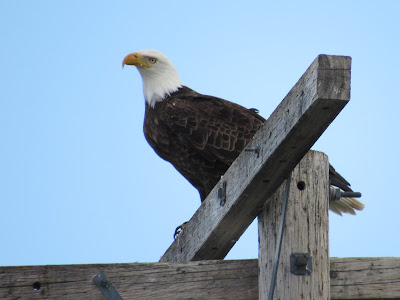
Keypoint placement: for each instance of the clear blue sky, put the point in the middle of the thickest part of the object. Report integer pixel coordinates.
(78, 182)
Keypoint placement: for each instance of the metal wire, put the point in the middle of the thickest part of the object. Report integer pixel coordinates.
(278, 246)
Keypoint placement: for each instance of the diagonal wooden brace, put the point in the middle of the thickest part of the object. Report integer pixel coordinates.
(295, 125)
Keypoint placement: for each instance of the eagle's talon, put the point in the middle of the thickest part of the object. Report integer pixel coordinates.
(179, 229)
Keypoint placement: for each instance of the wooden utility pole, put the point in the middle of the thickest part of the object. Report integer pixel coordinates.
(303, 269)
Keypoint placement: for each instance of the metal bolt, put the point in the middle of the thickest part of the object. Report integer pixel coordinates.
(256, 150)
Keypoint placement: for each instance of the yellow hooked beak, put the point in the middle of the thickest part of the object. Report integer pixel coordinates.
(134, 59)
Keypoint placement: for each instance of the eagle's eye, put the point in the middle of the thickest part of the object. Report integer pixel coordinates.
(152, 60)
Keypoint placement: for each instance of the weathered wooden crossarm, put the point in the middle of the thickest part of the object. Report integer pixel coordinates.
(351, 278)
(295, 125)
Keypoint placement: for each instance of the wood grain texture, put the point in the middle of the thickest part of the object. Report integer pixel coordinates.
(351, 278)
(305, 231)
(365, 278)
(194, 280)
(284, 139)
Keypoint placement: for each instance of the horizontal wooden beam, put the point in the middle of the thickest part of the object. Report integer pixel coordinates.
(295, 125)
(365, 278)
(351, 278)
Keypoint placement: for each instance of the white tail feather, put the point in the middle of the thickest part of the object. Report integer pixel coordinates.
(346, 205)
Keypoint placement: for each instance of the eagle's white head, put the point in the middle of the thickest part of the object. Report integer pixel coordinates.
(159, 75)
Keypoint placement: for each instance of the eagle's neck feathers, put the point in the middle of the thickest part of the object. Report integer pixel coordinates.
(159, 85)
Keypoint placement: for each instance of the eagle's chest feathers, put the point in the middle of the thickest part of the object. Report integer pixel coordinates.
(158, 133)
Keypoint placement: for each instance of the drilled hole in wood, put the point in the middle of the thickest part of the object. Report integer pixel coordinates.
(301, 185)
(36, 286)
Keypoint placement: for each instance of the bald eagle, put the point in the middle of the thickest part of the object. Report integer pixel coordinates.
(200, 135)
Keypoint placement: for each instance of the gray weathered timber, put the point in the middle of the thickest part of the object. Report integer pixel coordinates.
(365, 278)
(194, 280)
(295, 125)
(305, 231)
(351, 278)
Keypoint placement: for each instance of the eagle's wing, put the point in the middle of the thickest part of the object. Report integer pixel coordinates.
(217, 128)
(203, 135)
